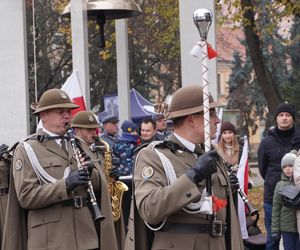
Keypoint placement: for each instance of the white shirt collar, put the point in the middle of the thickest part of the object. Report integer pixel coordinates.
(51, 134)
(189, 145)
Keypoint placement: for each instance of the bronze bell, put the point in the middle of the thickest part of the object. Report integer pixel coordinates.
(100, 10)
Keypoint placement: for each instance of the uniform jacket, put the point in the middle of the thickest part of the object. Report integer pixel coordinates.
(112, 234)
(110, 139)
(4, 182)
(155, 201)
(283, 218)
(270, 152)
(33, 221)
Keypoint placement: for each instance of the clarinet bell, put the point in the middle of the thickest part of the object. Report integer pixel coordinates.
(96, 213)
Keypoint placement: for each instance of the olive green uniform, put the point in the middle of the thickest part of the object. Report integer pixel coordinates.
(4, 181)
(156, 201)
(51, 222)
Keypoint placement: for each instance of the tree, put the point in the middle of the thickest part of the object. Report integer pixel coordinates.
(153, 49)
(249, 14)
(49, 60)
(244, 94)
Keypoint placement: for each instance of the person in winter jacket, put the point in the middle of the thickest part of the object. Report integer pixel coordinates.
(296, 175)
(123, 149)
(228, 145)
(280, 140)
(284, 218)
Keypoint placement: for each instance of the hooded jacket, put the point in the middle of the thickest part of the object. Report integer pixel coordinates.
(283, 218)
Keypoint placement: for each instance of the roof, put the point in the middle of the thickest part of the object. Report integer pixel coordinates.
(228, 40)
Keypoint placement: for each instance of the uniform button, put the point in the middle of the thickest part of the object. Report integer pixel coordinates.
(188, 195)
(171, 245)
(130, 218)
(131, 238)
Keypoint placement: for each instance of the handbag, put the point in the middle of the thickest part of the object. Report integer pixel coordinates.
(290, 196)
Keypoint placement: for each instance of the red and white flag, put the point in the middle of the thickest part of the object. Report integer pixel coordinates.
(73, 89)
(242, 175)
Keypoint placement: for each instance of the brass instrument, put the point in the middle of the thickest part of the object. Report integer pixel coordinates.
(96, 213)
(116, 188)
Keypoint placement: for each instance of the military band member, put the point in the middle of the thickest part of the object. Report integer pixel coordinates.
(4, 179)
(169, 176)
(110, 129)
(48, 200)
(112, 235)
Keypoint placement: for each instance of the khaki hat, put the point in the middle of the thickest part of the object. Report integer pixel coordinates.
(188, 100)
(85, 119)
(54, 98)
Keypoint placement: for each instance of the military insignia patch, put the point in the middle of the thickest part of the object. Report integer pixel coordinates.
(91, 118)
(18, 165)
(63, 94)
(147, 172)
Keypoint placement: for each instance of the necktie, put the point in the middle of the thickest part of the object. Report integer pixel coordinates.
(64, 145)
(198, 150)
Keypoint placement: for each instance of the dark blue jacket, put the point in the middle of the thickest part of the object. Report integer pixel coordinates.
(270, 152)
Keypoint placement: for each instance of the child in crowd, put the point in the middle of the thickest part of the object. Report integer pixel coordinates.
(284, 218)
(124, 147)
(124, 150)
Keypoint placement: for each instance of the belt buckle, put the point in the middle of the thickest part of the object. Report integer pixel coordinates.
(3, 191)
(78, 201)
(216, 229)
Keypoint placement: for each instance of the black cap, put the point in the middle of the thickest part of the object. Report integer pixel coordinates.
(285, 107)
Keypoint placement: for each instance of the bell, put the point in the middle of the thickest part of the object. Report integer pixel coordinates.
(101, 10)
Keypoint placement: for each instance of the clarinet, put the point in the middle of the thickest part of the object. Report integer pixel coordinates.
(96, 213)
(244, 197)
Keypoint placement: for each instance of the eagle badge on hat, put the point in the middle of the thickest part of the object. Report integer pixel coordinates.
(147, 172)
(63, 94)
(91, 118)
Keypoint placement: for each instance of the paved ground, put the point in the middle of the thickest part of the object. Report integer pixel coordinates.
(255, 177)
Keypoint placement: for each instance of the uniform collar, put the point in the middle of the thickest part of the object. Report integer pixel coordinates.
(52, 134)
(189, 145)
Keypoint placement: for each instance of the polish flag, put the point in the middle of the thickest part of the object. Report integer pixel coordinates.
(242, 175)
(73, 89)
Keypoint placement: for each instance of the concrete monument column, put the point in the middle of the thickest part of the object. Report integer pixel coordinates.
(14, 108)
(123, 69)
(80, 55)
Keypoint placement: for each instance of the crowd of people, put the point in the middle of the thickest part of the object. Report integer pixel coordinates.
(80, 183)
